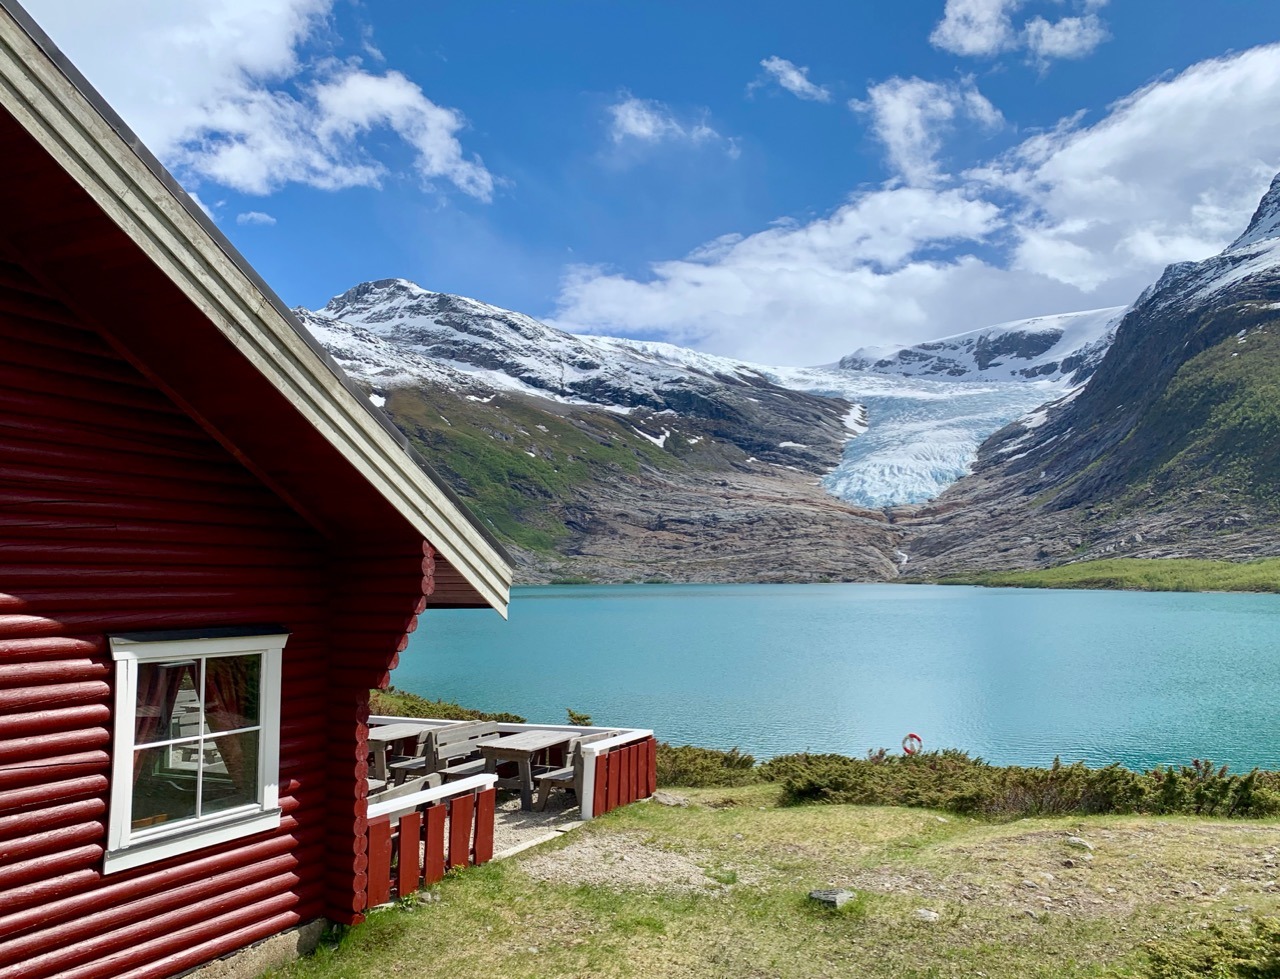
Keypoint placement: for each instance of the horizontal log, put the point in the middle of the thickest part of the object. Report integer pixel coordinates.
(14, 875)
(87, 528)
(49, 819)
(98, 596)
(57, 899)
(33, 723)
(214, 948)
(51, 841)
(51, 745)
(31, 674)
(21, 403)
(50, 695)
(12, 626)
(38, 771)
(48, 793)
(32, 304)
(173, 940)
(112, 463)
(68, 924)
(18, 350)
(108, 933)
(51, 647)
(98, 503)
(174, 491)
(66, 431)
(91, 391)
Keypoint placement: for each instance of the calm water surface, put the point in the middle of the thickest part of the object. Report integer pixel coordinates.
(1016, 676)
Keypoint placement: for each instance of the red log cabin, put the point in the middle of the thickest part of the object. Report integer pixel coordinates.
(211, 547)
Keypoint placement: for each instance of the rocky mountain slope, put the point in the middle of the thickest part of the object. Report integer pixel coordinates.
(606, 460)
(1172, 448)
(621, 459)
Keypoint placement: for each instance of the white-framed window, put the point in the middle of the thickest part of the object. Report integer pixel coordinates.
(196, 750)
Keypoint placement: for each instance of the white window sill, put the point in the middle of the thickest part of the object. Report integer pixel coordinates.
(193, 838)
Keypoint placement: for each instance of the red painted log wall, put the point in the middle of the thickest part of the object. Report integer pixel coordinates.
(118, 511)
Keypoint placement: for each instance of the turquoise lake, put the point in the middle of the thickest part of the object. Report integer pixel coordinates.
(1015, 676)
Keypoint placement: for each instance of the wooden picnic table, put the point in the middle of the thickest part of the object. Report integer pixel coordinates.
(521, 749)
(389, 734)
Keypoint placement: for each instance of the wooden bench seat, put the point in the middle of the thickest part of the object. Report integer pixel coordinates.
(571, 775)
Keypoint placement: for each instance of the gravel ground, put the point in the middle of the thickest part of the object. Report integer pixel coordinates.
(512, 827)
(619, 862)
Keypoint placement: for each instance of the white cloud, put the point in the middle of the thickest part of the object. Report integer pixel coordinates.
(985, 28)
(976, 28)
(255, 217)
(223, 92)
(1070, 37)
(1080, 217)
(911, 116)
(794, 78)
(649, 122)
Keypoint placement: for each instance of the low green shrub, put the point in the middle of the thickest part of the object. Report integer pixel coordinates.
(1218, 952)
(954, 781)
(698, 768)
(401, 703)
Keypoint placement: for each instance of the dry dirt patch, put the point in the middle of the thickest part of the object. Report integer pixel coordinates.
(619, 861)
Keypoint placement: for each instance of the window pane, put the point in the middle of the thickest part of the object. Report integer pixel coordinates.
(231, 691)
(164, 784)
(230, 771)
(168, 702)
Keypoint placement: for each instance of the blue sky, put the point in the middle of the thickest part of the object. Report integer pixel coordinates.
(782, 182)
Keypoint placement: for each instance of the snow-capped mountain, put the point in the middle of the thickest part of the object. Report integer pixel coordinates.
(920, 416)
(393, 333)
(1068, 346)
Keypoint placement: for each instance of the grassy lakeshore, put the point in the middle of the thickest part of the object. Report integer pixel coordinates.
(718, 888)
(1137, 574)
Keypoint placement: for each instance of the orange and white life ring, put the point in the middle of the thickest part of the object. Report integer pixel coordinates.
(912, 744)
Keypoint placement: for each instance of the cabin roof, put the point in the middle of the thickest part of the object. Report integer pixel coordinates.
(309, 431)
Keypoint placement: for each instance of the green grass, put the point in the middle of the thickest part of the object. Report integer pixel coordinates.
(484, 451)
(1149, 888)
(1138, 574)
(401, 703)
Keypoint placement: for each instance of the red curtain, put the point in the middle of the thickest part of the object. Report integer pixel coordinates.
(226, 699)
(157, 694)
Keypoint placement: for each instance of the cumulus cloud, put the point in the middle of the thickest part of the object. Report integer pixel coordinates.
(255, 217)
(793, 78)
(976, 28)
(1070, 37)
(985, 28)
(648, 122)
(1079, 217)
(224, 93)
(911, 116)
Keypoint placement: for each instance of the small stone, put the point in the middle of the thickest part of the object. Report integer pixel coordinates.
(533, 949)
(942, 819)
(738, 836)
(1029, 913)
(1240, 908)
(833, 897)
(1031, 884)
(1080, 843)
(670, 799)
(1068, 863)
(924, 914)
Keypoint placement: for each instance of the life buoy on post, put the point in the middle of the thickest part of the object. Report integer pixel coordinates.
(912, 744)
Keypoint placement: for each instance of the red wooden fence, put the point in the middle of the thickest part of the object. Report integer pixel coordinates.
(624, 774)
(414, 850)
